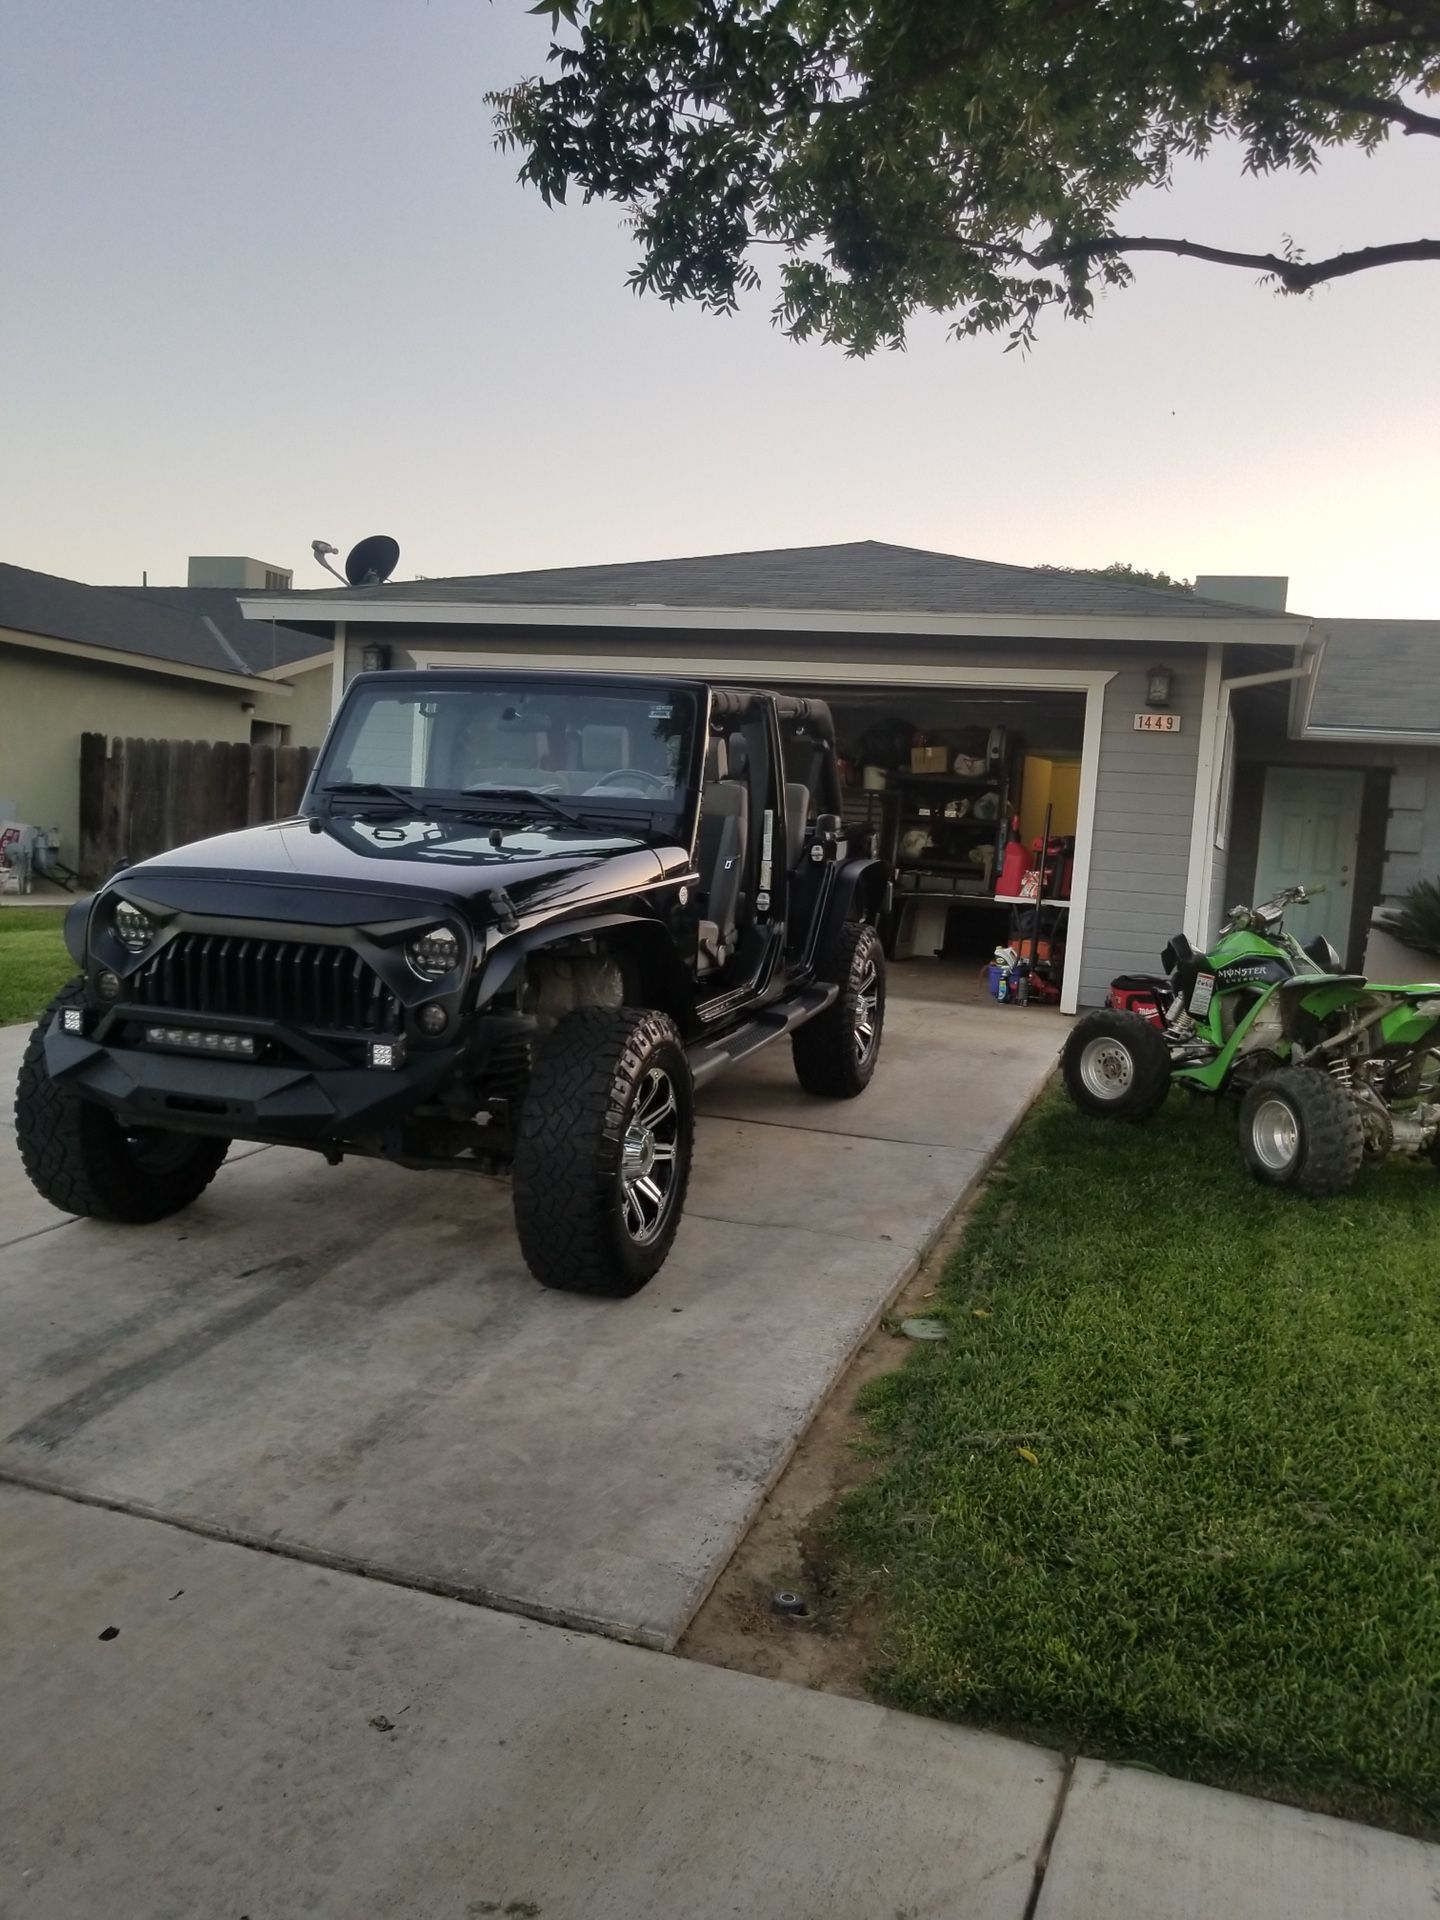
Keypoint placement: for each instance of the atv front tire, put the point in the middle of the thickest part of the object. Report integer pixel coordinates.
(83, 1160)
(603, 1150)
(1298, 1129)
(1116, 1065)
(835, 1053)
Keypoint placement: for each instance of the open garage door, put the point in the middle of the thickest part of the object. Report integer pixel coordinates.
(973, 797)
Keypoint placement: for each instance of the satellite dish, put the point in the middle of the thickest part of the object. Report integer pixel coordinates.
(372, 561)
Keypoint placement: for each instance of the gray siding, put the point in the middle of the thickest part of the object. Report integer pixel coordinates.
(1144, 808)
(1145, 784)
(1412, 832)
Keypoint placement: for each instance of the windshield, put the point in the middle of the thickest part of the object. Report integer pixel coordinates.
(541, 746)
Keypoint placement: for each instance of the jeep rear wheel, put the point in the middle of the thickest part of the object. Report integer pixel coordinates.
(1298, 1129)
(1116, 1065)
(603, 1150)
(835, 1053)
(83, 1160)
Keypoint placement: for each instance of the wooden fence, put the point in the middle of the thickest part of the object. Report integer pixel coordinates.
(139, 797)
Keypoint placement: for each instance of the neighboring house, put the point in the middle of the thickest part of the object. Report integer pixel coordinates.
(177, 663)
(1295, 749)
(1337, 781)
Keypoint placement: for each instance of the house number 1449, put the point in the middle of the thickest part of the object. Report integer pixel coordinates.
(1157, 723)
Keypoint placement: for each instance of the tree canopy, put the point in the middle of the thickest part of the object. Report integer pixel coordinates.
(1122, 570)
(967, 157)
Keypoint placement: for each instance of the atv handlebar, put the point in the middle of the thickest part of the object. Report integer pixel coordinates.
(1269, 912)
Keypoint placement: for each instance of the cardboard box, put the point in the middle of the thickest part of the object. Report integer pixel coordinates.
(929, 759)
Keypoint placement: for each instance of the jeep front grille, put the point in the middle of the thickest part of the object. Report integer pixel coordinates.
(284, 980)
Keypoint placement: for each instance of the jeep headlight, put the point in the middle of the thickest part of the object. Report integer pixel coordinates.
(434, 954)
(133, 929)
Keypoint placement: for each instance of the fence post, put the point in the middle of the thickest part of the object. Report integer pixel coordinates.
(89, 853)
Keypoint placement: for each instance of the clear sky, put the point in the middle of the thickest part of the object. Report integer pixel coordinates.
(263, 278)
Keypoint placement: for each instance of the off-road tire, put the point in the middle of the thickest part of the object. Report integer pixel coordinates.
(82, 1159)
(1329, 1143)
(833, 1059)
(588, 1076)
(1138, 1054)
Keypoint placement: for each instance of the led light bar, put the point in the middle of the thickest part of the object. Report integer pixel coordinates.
(386, 1053)
(72, 1020)
(194, 1040)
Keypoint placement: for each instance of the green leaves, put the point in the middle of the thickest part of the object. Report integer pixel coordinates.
(1417, 924)
(959, 156)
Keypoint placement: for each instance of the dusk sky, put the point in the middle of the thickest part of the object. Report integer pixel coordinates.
(266, 279)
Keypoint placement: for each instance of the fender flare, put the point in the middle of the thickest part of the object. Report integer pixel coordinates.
(76, 930)
(864, 884)
(501, 967)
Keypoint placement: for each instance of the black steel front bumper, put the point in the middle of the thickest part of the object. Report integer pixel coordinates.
(243, 1099)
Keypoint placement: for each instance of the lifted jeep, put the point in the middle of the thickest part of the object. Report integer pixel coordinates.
(519, 919)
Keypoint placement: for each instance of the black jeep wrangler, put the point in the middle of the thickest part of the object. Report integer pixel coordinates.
(520, 918)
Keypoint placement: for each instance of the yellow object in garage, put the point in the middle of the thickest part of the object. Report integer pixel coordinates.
(1048, 783)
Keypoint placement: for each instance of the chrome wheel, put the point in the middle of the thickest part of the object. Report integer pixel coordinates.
(649, 1159)
(1275, 1135)
(867, 1007)
(1107, 1068)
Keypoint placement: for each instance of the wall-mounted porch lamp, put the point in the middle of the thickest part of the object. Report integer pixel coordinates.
(1159, 683)
(374, 658)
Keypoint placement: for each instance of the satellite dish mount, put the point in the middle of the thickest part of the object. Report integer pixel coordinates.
(369, 563)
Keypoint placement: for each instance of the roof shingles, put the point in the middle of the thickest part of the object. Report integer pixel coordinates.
(185, 626)
(866, 576)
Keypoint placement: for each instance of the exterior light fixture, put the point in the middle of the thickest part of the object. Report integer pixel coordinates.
(1159, 683)
(374, 658)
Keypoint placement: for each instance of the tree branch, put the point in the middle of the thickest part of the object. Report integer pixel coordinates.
(1289, 55)
(1296, 276)
(1387, 108)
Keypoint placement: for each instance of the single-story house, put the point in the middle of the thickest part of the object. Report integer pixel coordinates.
(176, 663)
(1192, 750)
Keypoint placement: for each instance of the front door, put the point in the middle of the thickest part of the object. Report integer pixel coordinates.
(1309, 831)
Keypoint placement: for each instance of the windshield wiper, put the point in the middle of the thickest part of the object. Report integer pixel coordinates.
(368, 790)
(526, 795)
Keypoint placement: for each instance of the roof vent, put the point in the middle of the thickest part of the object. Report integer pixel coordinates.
(1266, 592)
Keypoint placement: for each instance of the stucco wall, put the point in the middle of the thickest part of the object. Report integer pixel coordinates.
(47, 700)
(307, 711)
(1145, 791)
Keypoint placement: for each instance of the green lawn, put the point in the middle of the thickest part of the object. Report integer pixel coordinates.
(1224, 1557)
(33, 960)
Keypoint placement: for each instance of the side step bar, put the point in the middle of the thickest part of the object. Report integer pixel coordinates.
(709, 1058)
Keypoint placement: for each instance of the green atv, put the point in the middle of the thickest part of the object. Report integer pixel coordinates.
(1329, 1069)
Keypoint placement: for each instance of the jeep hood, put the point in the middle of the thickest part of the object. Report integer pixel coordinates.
(539, 865)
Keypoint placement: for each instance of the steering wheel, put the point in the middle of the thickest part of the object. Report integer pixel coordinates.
(634, 778)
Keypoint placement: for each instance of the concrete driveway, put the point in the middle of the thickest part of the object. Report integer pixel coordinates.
(352, 1365)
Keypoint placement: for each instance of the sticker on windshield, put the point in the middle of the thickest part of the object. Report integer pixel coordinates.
(662, 713)
(1201, 995)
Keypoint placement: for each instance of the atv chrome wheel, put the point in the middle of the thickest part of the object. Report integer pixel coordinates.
(1275, 1135)
(648, 1159)
(1116, 1065)
(1300, 1130)
(1107, 1068)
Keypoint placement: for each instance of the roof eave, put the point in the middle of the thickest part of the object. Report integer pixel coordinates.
(1263, 630)
(1376, 736)
(141, 662)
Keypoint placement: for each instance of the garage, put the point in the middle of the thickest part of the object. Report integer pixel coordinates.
(973, 800)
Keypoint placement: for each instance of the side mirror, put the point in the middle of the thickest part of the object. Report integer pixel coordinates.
(829, 829)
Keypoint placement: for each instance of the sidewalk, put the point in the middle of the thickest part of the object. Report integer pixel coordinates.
(264, 1737)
